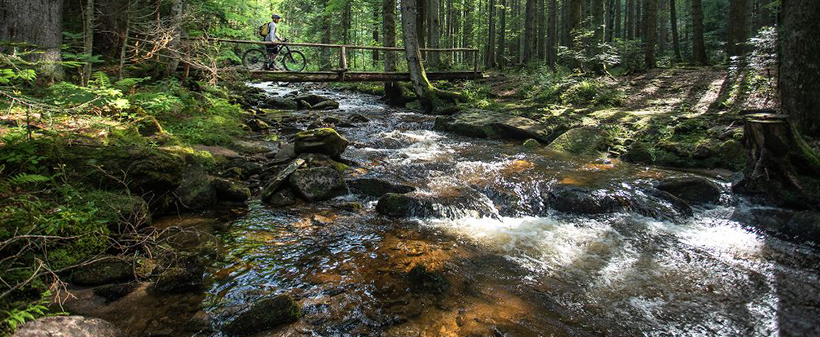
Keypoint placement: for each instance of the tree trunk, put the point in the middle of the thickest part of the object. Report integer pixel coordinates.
(617, 31)
(489, 56)
(375, 34)
(574, 22)
(530, 30)
(552, 34)
(698, 45)
(467, 32)
(609, 16)
(88, 41)
(37, 22)
(502, 34)
(599, 25)
(421, 20)
(327, 38)
(673, 20)
(738, 13)
(541, 35)
(425, 92)
(630, 19)
(651, 32)
(663, 26)
(799, 80)
(392, 91)
(434, 32)
(177, 11)
(639, 20)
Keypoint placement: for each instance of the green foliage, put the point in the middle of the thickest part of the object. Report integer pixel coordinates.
(14, 317)
(563, 88)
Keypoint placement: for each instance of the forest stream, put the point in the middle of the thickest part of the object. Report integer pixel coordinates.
(523, 269)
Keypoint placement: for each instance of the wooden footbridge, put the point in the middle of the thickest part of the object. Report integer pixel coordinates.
(344, 74)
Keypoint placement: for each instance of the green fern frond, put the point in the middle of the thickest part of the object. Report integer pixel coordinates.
(25, 178)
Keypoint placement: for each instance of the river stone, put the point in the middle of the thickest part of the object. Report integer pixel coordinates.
(320, 160)
(113, 292)
(264, 315)
(648, 202)
(231, 190)
(103, 272)
(316, 184)
(424, 281)
(68, 326)
(585, 141)
(695, 190)
(805, 225)
(280, 178)
(325, 141)
(375, 187)
(280, 103)
(313, 99)
(469, 203)
(196, 189)
(326, 105)
(491, 124)
(186, 275)
(531, 144)
(282, 197)
(768, 219)
(258, 125)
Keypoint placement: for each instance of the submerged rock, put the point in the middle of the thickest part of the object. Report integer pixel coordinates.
(264, 315)
(424, 281)
(491, 124)
(375, 187)
(282, 197)
(324, 140)
(68, 326)
(772, 220)
(695, 190)
(112, 270)
(585, 141)
(316, 184)
(469, 203)
(648, 202)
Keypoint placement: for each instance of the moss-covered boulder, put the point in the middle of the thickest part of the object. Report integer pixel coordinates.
(283, 197)
(264, 315)
(375, 187)
(196, 190)
(231, 190)
(320, 183)
(695, 190)
(186, 274)
(106, 271)
(584, 141)
(324, 140)
(497, 125)
(113, 292)
(531, 144)
(121, 212)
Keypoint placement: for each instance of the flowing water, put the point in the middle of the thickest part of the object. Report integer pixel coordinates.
(524, 271)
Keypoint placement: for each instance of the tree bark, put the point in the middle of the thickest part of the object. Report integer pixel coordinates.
(434, 32)
(698, 44)
(177, 11)
(617, 31)
(530, 30)
(799, 80)
(738, 14)
(88, 40)
(574, 22)
(502, 34)
(552, 34)
(37, 22)
(673, 20)
(663, 26)
(630, 19)
(541, 35)
(599, 25)
(376, 34)
(651, 32)
(392, 91)
(489, 55)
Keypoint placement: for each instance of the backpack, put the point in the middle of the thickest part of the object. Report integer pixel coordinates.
(264, 30)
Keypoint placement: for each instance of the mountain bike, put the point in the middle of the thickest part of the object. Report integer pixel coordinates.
(256, 60)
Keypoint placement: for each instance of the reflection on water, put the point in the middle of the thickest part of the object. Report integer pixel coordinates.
(530, 272)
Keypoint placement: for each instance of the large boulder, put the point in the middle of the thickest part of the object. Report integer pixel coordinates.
(121, 212)
(106, 271)
(491, 124)
(467, 203)
(375, 187)
(185, 275)
(695, 190)
(280, 103)
(324, 140)
(280, 178)
(772, 220)
(585, 141)
(283, 197)
(68, 326)
(196, 189)
(805, 225)
(648, 202)
(264, 315)
(231, 190)
(317, 102)
(316, 184)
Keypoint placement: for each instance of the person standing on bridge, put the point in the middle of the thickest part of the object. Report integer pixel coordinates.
(273, 50)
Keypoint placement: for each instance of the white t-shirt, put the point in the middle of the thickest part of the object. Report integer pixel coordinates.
(272, 33)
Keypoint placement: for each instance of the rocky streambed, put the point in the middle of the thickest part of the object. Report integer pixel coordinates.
(372, 220)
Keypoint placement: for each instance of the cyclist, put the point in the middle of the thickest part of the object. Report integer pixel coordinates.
(273, 50)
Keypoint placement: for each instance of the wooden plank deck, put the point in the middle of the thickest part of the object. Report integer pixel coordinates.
(340, 76)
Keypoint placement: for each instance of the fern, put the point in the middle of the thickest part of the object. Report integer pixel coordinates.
(25, 178)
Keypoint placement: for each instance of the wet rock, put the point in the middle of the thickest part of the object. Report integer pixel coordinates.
(325, 122)
(424, 281)
(350, 206)
(186, 274)
(357, 118)
(326, 105)
(325, 141)
(286, 152)
(648, 202)
(316, 184)
(468, 203)
(584, 141)
(122, 212)
(769, 219)
(805, 225)
(282, 197)
(320, 160)
(313, 99)
(531, 144)
(639, 152)
(68, 326)
(113, 292)
(107, 271)
(280, 103)
(491, 124)
(231, 190)
(375, 187)
(695, 190)
(264, 315)
(196, 189)
(277, 181)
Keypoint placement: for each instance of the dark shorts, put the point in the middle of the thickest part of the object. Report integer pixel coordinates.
(273, 49)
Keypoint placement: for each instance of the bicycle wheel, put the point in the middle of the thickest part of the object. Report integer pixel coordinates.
(254, 59)
(294, 61)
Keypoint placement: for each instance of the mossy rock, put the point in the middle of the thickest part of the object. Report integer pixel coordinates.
(324, 140)
(584, 141)
(531, 144)
(113, 292)
(231, 190)
(494, 125)
(119, 211)
(196, 189)
(316, 184)
(695, 190)
(264, 315)
(103, 272)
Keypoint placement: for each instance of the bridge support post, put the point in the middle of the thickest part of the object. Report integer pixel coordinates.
(342, 63)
